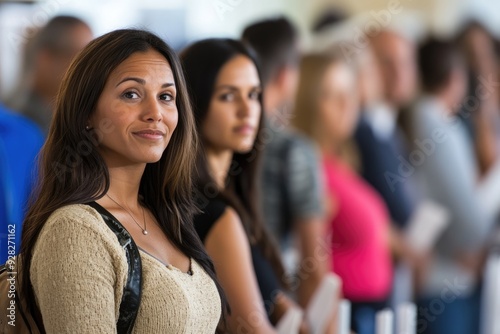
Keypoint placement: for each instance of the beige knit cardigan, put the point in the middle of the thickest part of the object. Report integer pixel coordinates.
(79, 270)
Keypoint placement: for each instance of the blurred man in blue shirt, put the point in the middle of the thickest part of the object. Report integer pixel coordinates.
(20, 142)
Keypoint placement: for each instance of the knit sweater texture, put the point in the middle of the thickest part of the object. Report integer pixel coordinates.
(79, 270)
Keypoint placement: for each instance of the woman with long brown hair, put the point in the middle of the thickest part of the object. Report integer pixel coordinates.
(122, 139)
(225, 86)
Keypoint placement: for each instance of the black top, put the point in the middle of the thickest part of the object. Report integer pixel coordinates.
(268, 282)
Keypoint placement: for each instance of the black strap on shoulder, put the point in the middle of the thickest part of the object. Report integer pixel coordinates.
(131, 298)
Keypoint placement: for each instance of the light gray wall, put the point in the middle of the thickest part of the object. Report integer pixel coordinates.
(196, 19)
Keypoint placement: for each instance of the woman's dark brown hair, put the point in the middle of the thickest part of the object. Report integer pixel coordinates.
(202, 63)
(73, 172)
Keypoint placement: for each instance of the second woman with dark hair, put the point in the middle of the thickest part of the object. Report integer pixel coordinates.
(226, 90)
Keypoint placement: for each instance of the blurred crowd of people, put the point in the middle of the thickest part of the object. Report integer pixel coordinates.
(349, 148)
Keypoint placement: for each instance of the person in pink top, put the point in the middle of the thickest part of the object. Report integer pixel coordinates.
(359, 234)
(327, 111)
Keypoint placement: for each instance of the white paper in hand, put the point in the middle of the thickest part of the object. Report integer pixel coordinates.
(290, 322)
(426, 225)
(323, 303)
(406, 318)
(344, 317)
(385, 322)
(490, 321)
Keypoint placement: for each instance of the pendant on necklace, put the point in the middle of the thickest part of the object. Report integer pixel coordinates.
(145, 232)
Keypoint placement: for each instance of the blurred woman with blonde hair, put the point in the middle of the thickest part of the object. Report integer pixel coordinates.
(327, 111)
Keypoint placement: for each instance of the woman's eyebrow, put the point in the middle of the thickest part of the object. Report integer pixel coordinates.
(227, 87)
(143, 82)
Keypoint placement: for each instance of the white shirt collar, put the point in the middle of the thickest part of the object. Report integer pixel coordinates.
(382, 120)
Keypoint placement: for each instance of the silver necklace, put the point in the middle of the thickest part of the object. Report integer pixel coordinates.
(144, 230)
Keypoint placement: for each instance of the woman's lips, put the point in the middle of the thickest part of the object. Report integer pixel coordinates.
(245, 129)
(150, 134)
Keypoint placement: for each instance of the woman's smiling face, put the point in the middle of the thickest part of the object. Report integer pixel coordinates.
(138, 102)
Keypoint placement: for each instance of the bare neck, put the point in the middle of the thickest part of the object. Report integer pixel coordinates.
(219, 162)
(124, 184)
(447, 100)
(273, 98)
